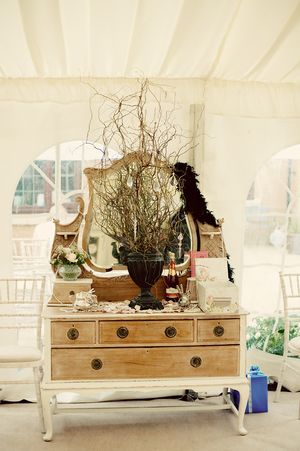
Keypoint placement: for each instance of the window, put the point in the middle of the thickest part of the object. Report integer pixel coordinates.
(49, 187)
(33, 193)
(69, 178)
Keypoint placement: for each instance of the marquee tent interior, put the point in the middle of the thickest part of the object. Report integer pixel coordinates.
(232, 66)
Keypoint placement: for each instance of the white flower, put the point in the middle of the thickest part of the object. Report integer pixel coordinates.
(71, 257)
(257, 335)
(66, 250)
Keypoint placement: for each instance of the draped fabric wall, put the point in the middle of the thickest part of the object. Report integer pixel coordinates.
(245, 124)
(241, 125)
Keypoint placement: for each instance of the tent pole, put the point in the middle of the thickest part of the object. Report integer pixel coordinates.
(57, 181)
(196, 156)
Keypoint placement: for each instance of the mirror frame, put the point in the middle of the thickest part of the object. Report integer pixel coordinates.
(91, 173)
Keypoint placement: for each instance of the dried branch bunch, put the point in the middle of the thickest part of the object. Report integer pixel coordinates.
(136, 198)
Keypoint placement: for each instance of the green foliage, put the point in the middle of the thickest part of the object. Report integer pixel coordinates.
(261, 328)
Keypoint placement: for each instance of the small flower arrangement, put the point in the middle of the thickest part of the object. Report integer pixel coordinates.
(68, 256)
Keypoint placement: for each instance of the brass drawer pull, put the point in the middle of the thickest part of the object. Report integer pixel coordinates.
(219, 331)
(122, 332)
(96, 364)
(73, 333)
(170, 332)
(195, 361)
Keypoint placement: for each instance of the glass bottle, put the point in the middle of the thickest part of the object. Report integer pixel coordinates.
(172, 280)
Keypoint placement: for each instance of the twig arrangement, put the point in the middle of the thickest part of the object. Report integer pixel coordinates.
(136, 197)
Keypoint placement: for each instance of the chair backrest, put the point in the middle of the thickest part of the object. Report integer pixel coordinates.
(30, 256)
(27, 247)
(34, 248)
(290, 287)
(21, 303)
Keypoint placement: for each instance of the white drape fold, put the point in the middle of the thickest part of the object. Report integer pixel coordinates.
(225, 98)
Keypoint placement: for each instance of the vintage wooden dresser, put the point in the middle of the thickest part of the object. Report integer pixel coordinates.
(92, 352)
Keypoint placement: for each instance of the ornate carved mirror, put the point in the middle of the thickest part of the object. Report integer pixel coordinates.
(200, 229)
(137, 204)
(116, 183)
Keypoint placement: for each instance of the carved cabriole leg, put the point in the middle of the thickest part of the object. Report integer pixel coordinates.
(37, 381)
(46, 398)
(243, 389)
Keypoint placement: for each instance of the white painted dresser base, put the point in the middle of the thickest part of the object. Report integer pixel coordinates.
(50, 391)
(50, 388)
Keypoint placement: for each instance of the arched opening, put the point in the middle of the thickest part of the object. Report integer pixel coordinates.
(271, 246)
(272, 234)
(47, 190)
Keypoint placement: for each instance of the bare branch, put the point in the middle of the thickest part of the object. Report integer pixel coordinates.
(136, 204)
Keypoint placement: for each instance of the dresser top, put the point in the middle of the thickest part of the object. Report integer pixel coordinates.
(66, 312)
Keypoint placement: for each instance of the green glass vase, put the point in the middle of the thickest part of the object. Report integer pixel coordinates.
(69, 272)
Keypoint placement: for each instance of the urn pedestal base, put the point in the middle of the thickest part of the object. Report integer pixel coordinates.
(146, 301)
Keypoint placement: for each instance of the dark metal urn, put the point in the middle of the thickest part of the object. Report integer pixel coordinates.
(145, 270)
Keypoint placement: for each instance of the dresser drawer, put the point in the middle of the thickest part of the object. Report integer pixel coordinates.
(164, 332)
(73, 333)
(214, 331)
(123, 363)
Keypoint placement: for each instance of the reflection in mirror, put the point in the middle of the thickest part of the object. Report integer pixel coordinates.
(180, 245)
(107, 251)
(98, 245)
(103, 251)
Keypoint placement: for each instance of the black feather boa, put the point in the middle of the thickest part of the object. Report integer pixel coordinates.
(194, 201)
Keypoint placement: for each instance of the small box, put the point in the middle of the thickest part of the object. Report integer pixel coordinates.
(211, 269)
(64, 290)
(258, 395)
(194, 255)
(217, 295)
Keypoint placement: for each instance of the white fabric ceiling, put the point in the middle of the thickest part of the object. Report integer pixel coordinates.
(235, 69)
(245, 40)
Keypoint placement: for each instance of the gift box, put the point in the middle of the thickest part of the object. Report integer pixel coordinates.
(258, 395)
(217, 295)
(194, 255)
(211, 269)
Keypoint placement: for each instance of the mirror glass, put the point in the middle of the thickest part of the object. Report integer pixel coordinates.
(105, 251)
